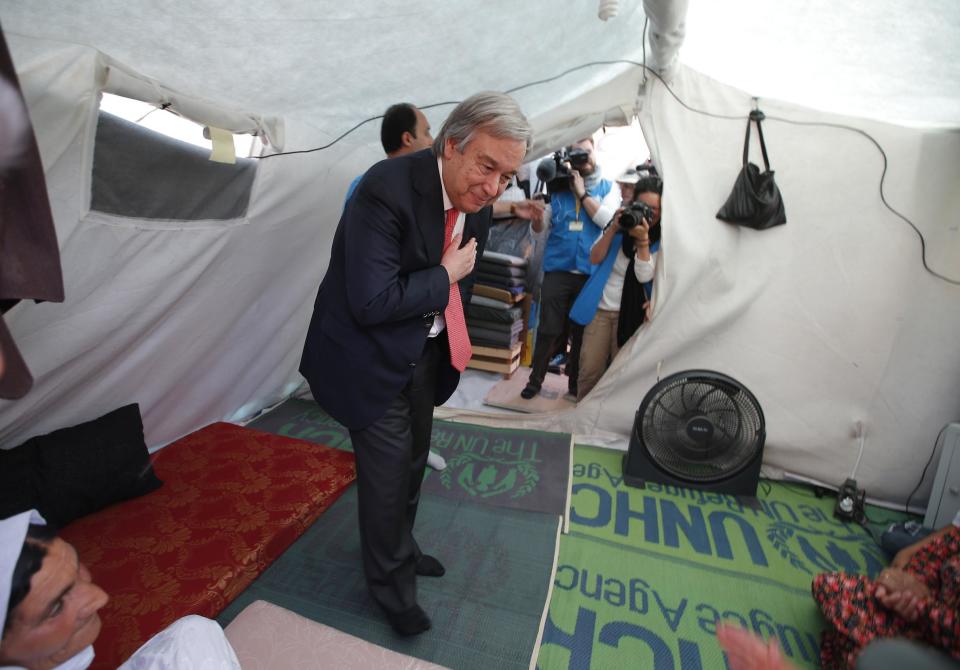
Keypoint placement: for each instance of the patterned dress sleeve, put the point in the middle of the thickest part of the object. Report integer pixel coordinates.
(938, 566)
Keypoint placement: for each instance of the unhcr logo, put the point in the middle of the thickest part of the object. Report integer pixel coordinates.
(484, 477)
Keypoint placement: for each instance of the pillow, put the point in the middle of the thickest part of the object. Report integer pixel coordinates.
(79, 470)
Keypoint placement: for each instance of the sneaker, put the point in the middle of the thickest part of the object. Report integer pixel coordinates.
(529, 391)
(436, 461)
(557, 364)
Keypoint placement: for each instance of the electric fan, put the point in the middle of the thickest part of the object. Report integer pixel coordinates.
(698, 429)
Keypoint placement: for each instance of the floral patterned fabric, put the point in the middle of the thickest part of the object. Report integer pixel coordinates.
(855, 617)
(233, 500)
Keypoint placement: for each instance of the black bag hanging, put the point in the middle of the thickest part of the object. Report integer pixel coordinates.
(755, 201)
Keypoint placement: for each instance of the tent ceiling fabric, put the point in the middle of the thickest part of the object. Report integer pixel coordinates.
(879, 59)
(333, 64)
(329, 65)
(829, 320)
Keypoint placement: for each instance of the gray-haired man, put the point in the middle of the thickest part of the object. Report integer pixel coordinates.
(377, 355)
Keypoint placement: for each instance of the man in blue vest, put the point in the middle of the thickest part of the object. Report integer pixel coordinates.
(577, 217)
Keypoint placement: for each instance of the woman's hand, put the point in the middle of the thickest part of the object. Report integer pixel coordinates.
(640, 232)
(901, 592)
(615, 221)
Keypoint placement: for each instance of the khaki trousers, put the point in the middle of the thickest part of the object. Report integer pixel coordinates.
(598, 349)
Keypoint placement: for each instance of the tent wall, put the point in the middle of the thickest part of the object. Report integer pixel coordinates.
(195, 320)
(831, 319)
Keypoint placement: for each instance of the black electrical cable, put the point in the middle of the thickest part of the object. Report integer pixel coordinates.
(765, 487)
(883, 199)
(883, 174)
(866, 526)
(906, 507)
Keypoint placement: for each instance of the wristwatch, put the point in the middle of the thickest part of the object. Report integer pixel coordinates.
(586, 194)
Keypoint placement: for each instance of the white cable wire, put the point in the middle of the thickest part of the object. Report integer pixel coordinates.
(861, 433)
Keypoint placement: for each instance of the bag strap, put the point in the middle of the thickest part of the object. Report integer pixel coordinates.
(756, 116)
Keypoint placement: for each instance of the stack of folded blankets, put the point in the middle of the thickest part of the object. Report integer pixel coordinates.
(494, 320)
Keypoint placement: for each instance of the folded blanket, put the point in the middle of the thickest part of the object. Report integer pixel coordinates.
(500, 281)
(493, 303)
(503, 259)
(479, 342)
(501, 270)
(482, 312)
(492, 338)
(511, 328)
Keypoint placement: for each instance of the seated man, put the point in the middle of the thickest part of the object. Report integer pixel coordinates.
(49, 611)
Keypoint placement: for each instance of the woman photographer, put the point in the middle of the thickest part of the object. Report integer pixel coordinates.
(616, 299)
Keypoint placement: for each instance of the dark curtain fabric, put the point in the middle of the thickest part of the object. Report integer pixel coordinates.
(140, 173)
(631, 306)
(29, 255)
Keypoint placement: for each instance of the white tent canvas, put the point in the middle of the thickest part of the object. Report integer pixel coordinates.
(843, 316)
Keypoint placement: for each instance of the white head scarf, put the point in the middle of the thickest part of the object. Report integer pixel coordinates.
(13, 531)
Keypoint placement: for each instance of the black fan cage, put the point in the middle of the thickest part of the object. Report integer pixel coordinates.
(700, 426)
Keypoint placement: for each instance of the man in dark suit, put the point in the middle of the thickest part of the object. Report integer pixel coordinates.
(379, 354)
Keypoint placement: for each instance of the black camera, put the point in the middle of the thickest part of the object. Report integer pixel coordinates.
(634, 212)
(555, 171)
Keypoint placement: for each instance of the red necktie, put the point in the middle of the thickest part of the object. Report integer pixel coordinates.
(460, 350)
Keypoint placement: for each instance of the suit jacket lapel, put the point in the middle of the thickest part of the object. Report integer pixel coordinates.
(470, 226)
(428, 207)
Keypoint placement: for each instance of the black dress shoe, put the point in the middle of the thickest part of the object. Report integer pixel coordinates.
(409, 622)
(529, 391)
(428, 566)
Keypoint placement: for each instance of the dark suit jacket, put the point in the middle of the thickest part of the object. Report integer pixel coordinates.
(382, 289)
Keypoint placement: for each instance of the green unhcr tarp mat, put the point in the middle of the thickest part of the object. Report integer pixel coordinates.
(645, 574)
(503, 467)
(486, 610)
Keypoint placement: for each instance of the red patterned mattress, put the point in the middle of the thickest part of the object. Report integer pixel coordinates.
(233, 499)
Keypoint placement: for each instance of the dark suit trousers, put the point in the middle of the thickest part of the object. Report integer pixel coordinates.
(557, 294)
(391, 455)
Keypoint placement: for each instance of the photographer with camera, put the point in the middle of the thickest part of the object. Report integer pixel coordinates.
(581, 203)
(616, 298)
